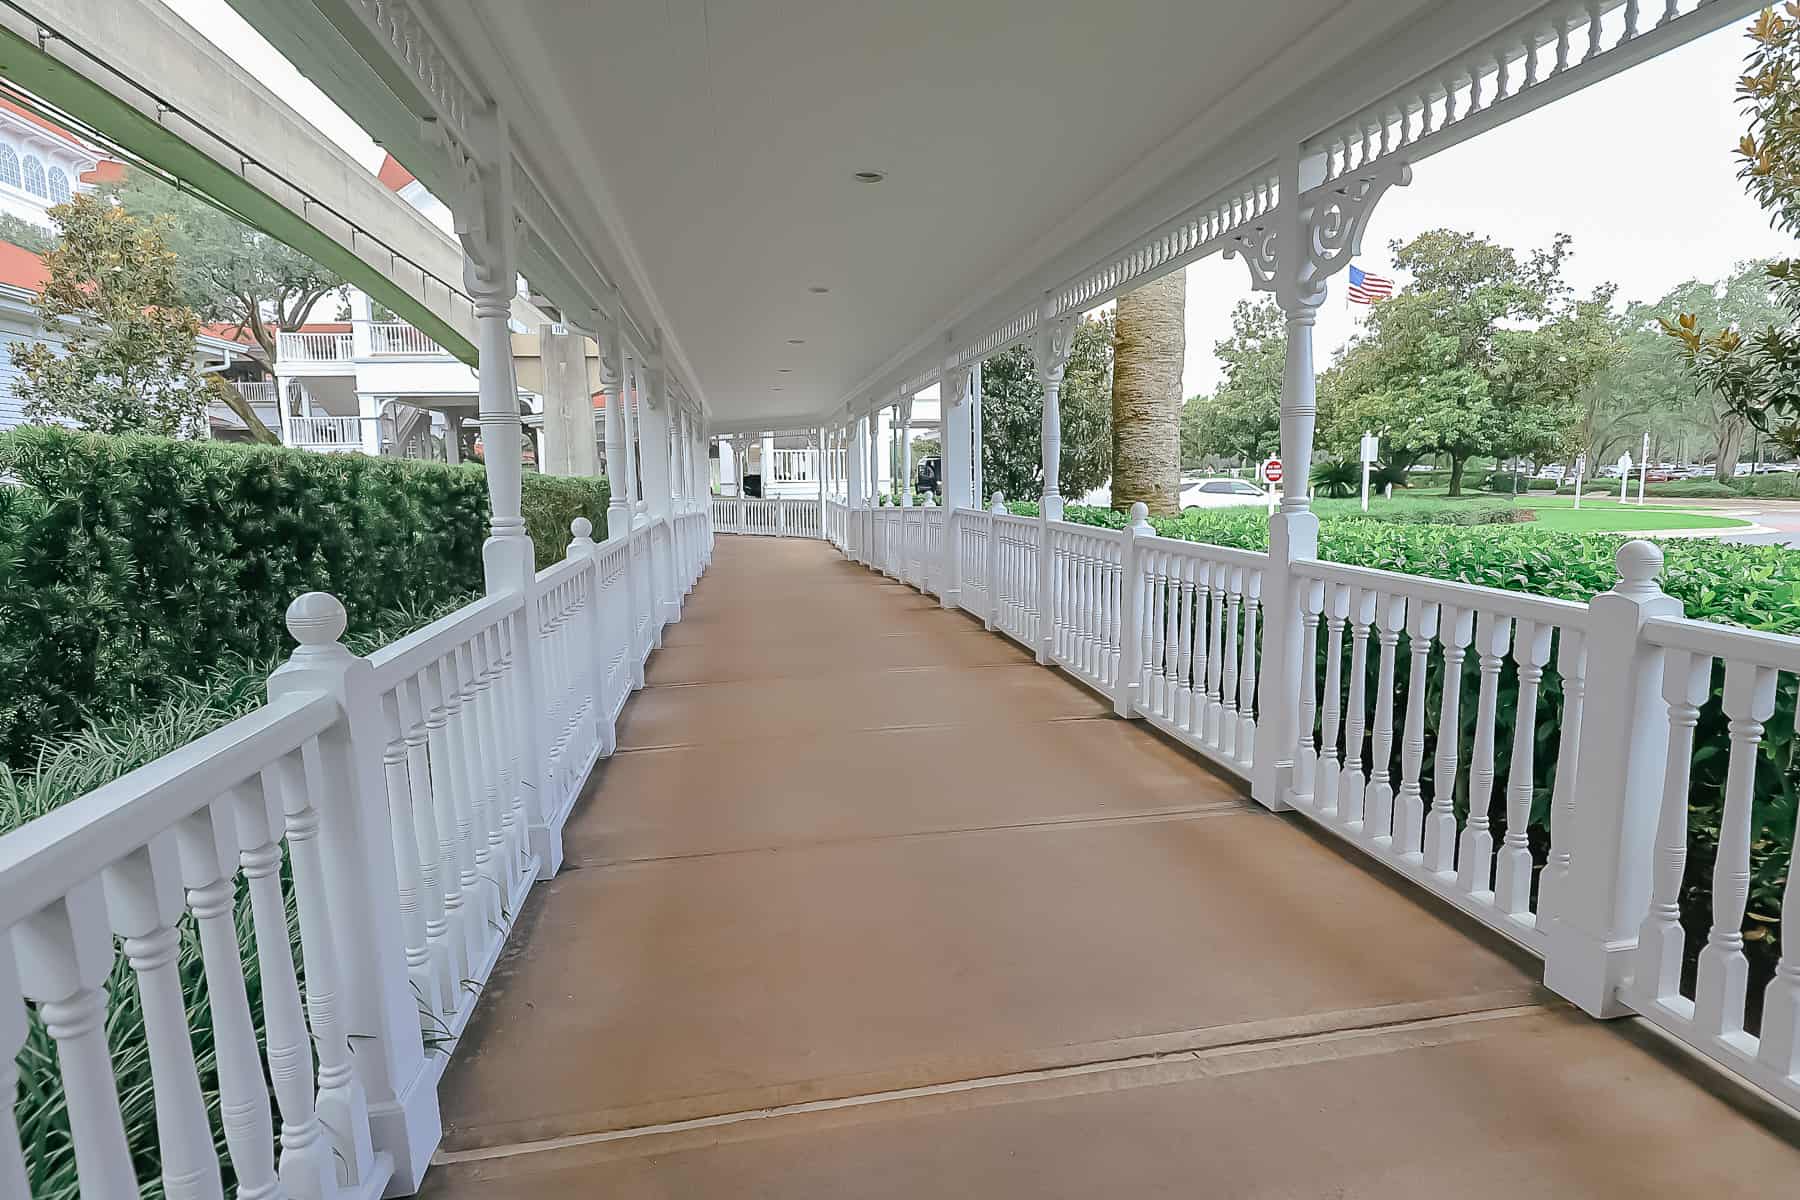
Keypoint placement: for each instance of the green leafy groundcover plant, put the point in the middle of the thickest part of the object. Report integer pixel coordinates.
(130, 563)
(78, 764)
(1757, 587)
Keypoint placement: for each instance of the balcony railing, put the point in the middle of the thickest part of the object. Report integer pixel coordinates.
(1599, 713)
(330, 433)
(397, 339)
(314, 347)
(414, 796)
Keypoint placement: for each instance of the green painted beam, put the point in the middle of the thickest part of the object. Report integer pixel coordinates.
(119, 122)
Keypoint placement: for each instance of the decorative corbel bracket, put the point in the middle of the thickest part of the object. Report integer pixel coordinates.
(1332, 220)
(1054, 345)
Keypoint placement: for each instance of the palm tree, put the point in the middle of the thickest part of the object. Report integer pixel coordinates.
(1148, 348)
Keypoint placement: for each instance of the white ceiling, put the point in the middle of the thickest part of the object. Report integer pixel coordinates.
(718, 138)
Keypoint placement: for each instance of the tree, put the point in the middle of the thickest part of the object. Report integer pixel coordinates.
(1650, 388)
(1242, 420)
(1483, 352)
(128, 341)
(229, 272)
(1756, 375)
(1012, 405)
(1149, 346)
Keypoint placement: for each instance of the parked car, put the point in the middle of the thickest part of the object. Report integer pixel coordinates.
(927, 474)
(1221, 493)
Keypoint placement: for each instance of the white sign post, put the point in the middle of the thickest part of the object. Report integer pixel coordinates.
(1644, 468)
(1580, 465)
(1270, 474)
(1624, 474)
(1371, 448)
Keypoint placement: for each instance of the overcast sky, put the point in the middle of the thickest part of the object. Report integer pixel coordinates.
(1638, 169)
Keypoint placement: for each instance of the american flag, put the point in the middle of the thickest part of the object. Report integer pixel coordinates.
(1367, 288)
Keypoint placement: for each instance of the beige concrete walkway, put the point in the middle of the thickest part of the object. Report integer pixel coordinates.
(870, 905)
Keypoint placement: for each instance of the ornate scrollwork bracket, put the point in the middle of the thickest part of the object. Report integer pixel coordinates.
(956, 385)
(1055, 343)
(480, 199)
(1332, 220)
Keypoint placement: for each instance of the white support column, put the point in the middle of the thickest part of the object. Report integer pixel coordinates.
(453, 438)
(612, 379)
(874, 457)
(824, 442)
(1055, 342)
(631, 393)
(1597, 909)
(979, 489)
(906, 471)
(1308, 240)
(484, 222)
(956, 409)
(368, 411)
(653, 445)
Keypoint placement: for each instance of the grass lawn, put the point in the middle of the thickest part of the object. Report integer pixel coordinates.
(1554, 513)
(1609, 516)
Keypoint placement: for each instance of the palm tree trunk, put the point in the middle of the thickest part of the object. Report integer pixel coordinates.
(1149, 345)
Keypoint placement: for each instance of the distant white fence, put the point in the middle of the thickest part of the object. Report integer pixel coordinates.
(791, 517)
(1599, 725)
(414, 794)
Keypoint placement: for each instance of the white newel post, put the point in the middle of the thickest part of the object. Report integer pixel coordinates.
(1598, 905)
(1131, 614)
(956, 408)
(1055, 341)
(996, 509)
(362, 894)
(484, 223)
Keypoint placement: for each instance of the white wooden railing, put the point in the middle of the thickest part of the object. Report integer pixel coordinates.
(403, 793)
(1609, 708)
(788, 517)
(313, 347)
(395, 338)
(327, 433)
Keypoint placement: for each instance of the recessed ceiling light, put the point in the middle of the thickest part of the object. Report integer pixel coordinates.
(818, 289)
(784, 370)
(776, 388)
(796, 341)
(870, 176)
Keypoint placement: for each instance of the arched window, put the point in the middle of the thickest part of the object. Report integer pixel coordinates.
(34, 176)
(59, 185)
(9, 165)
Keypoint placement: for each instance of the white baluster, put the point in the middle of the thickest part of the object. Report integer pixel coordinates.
(1779, 1047)
(64, 953)
(1662, 943)
(1355, 778)
(1306, 761)
(1246, 741)
(1724, 971)
(1189, 640)
(13, 1027)
(1325, 789)
(144, 902)
(343, 1105)
(1378, 798)
(406, 847)
(1230, 717)
(1156, 636)
(1512, 868)
(1571, 664)
(1475, 852)
(1456, 627)
(484, 791)
(434, 867)
(1409, 804)
(1215, 655)
(461, 911)
(307, 1170)
(209, 860)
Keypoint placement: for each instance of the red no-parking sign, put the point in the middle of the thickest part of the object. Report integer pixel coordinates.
(1271, 471)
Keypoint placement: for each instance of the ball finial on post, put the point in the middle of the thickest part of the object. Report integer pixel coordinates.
(998, 506)
(1639, 564)
(316, 619)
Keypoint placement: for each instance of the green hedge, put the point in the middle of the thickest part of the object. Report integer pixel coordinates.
(134, 562)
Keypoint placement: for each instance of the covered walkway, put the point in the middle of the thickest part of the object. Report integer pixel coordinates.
(868, 904)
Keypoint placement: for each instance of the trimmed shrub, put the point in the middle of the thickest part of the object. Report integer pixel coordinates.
(1695, 489)
(1509, 482)
(134, 562)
